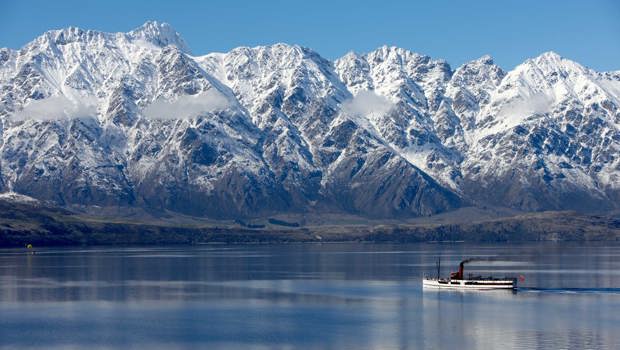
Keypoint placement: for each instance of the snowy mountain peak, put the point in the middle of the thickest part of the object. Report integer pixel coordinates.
(393, 51)
(160, 34)
(64, 35)
(386, 51)
(549, 56)
(51, 41)
(287, 54)
(479, 74)
(399, 56)
(351, 55)
(485, 59)
(551, 63)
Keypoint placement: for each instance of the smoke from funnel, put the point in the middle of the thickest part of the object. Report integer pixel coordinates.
(459, 275)
(476, 259)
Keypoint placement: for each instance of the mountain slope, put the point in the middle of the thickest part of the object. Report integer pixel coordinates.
(134, 119)
(548, 138)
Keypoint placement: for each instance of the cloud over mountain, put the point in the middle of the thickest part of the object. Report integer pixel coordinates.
(186, 106)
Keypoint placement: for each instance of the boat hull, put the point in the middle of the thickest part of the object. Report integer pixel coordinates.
(469, 284)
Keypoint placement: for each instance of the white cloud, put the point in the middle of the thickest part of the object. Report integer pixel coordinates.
(57, 108)
(522, 107)
(366, 103)
(186, 106)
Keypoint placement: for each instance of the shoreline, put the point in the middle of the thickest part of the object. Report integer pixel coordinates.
(82, 233)
(22, 224)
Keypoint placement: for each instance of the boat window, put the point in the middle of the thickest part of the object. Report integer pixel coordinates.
(456, 282)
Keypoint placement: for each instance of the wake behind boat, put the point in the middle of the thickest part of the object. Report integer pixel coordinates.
(457, 280)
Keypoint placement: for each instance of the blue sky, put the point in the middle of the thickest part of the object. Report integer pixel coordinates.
(456, 30)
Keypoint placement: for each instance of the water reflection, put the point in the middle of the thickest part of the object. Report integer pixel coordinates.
(329, 296)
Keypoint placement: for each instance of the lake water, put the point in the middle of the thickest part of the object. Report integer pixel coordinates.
(333, 296)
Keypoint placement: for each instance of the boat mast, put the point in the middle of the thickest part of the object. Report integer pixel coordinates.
(438, 263)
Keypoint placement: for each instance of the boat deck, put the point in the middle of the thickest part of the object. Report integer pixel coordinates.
(478, 283)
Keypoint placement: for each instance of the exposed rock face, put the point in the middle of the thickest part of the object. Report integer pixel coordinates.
(133, 119)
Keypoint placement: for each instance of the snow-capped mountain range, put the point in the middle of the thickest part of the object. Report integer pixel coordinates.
(134, 119)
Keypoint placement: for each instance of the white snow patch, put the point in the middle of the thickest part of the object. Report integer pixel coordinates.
(186, 106)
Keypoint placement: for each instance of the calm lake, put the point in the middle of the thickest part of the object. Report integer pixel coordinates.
(338, 296)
